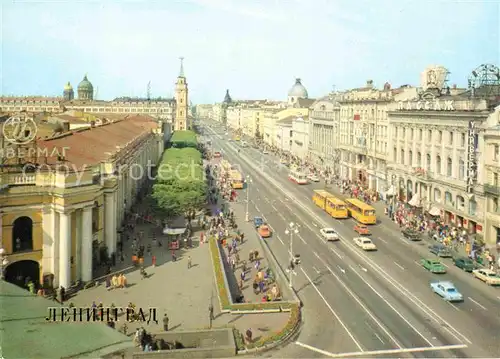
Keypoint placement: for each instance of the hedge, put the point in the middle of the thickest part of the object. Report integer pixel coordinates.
(181, 163)
(186, 138)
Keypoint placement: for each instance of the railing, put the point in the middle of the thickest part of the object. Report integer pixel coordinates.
(16, 179)
(492, 189)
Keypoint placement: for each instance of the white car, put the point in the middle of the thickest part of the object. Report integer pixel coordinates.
(265, 152)
(365, 243)
(329, 234)
(488, 276)
(313, 178)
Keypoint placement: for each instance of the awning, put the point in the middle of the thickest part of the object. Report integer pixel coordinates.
(434, 211)
(174, 231)
(391, 192)
(415, 201)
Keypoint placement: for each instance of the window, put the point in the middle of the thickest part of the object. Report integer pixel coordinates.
(462, 139)
(410, 158)
(449, 167)
(395, 154)
(404, 133)
(181, 100)
(429, 135)
(450, 139)
(447, 198)
(496, 152)
(472, 207)
(411, 134)
(22, 234)
(437, 195)
(494, 204)
(461, 169)
(440, 136)
(460, 203)
(402, 159)
(428, 162)
(438, 164)
(495, 179)
(420, 134)
(419, 159)
(181, 113)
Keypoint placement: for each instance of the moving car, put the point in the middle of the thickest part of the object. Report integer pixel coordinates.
(257, 222)
(440, 250)
(329, 234)
(264, 231)
(465, 264)
(365, 244)
(313, 178)
(411, 234)
(447, 291)
(265, 152)
(361, 229)
(486, 275)
(433, 266)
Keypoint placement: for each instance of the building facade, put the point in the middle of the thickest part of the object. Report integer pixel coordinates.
(300, 133)
(61, 218)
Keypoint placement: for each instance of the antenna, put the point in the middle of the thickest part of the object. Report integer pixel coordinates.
(148, 94)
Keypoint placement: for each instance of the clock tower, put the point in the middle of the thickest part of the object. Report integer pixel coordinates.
(181, 99)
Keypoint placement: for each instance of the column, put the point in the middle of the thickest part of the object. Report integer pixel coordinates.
(65, 249)
(49, 243)
(86, 259)
(110, 222)
(78, 239)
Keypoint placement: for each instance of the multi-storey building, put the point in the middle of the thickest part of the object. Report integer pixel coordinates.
(203, 111)
(284, 133)
(324, 123)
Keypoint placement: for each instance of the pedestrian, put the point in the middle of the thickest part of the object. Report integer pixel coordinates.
(153, 261)
(189, 262)
(211, 312)
(165, 322)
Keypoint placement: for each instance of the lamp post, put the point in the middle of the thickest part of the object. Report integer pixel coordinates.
(292, 228)
(3, 262)
(248, 181)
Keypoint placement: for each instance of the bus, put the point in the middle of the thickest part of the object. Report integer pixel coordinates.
(320, 196)
(236, 138)
(360, 211)
(297, 177)
(236, 179)
(336, 208)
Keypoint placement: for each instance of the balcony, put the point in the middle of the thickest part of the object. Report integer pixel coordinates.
(492, 189)
(17, 179)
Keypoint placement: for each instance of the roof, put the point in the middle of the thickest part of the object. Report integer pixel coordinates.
(27, 334)
(70, 119)
(304, 102)
(445, 284)
(287, 120)
(93, 145)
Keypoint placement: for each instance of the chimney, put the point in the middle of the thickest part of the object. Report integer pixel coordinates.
(65, 126)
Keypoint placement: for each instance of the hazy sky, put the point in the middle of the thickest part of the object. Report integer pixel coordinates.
(254, 48)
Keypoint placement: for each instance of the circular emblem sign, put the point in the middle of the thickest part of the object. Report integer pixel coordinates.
(19, 131)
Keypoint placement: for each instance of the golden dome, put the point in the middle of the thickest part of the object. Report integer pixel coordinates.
(68, 87)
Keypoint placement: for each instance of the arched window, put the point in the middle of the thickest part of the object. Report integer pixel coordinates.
(22, 234)
(419, 159)
(438, 164)
(428, 162)
(447, 198)
(461, 169)
(410, 158)
(437, 195)
(449, 167)
(460, 202)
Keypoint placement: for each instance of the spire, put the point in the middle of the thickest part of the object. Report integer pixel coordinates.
(181, 72)
(227, 98)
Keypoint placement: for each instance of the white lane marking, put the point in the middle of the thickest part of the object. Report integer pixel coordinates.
(399, 265)
(316, 254)
(264, 218)
(392, 307)
(302, 239)
(477, 303)
(363, 268)
(418, 263)
(334, 251)
(316, 270)
(373, 330)
(276, 209)
(315, 225)
(381, 272)
(454, 307)
(257, 208)
(381, 352)
(341, 269)
(257, 188)
(361, 304)
(333, 311)
(383, 240)
(279, 239)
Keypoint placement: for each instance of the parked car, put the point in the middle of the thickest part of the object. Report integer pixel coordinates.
(440, 250)
(329, 234)
(447, 291)
(257, 222)
(264, 231)
(486, 275)
(361, 229)
(411, 234)
(465, 264)
(365, 244)
(313, 178)
(433, 266)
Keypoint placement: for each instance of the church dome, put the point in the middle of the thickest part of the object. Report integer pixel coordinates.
(85, 85)
(68, 87)
(298, 90)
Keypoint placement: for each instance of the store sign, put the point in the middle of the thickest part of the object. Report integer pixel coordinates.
(427, 105)
(471, 157)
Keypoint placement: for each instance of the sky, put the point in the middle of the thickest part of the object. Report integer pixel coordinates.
(255, 49)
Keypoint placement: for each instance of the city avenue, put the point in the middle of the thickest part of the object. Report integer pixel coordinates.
(364, 303)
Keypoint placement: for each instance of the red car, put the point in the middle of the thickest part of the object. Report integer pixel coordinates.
(361, 229)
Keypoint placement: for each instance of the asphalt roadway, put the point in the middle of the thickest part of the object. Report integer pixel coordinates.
(359, 304)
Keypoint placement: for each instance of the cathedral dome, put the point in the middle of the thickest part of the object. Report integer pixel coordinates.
(85, 85)
(68, 87)
(298, 90)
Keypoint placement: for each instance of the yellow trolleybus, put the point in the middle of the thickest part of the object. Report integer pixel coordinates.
(360, 211)
(336, 208)
(320, 196)
(236, 179)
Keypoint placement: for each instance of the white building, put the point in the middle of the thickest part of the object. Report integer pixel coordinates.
(300, 140)
(283, 131)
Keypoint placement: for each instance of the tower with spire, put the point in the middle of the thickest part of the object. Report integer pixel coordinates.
(181, 121)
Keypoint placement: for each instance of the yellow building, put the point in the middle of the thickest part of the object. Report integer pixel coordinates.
(59, 217)
(181, 98)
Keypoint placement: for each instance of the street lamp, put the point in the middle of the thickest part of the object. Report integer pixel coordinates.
(248, 181)
(3, 262)
(292, 228)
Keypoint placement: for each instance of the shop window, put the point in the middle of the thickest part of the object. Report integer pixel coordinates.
(461, 169)
(447, 199)
(460, 203)
(437, 195)
(449, 167)
(438, 164)
(472, 207)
